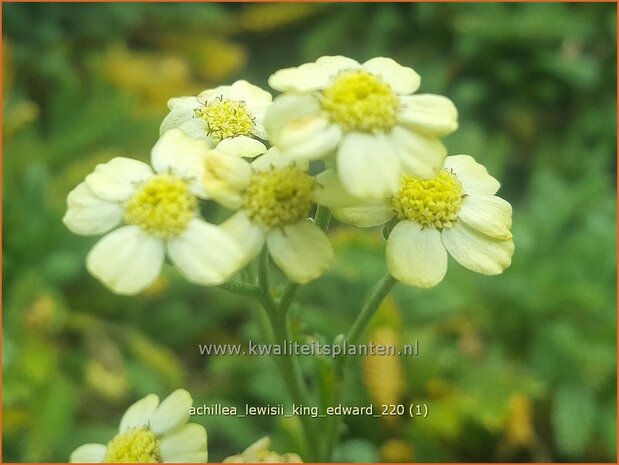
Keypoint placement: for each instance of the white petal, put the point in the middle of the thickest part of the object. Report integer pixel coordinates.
(473, 176)
(368, 165)
(311, 76)
(242, 146)
(88, 214)
(225, 177)
(430, 114)
(302, 251)
(175, 152)
(345, 207)
(117, 179)
(139, 413)
(220, 92)
(420, 156)
(286, 110)
(416, 255)
(401, 79)
(126, 260)
(275, 158)
(192, 457)
(89, 453)
(476, 251)
(310, 138)
(488, 214)
(205, 254)
(248, 235)
(253, 96)
(171, 413)
(190, 438)
(195, 128)
(182, 109)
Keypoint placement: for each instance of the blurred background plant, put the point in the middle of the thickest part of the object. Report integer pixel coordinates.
(518, 367)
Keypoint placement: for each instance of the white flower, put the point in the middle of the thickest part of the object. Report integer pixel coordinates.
(363, 113)
(455, 212)
(274, 197)
(259, 452)
(160, 212)
(230, 116)
(151, 432)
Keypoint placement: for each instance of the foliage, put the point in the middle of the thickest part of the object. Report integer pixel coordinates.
(514, 368)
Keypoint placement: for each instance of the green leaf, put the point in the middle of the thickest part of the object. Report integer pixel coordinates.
(573, 418)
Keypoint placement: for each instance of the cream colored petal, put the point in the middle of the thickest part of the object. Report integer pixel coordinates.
(171, 413)
(118, 179)
(368, 165)
(286, 110)
(139, 413)
(126, 260)
(476, 251)
(220, 92)
(302, 251)
(488, 214)
(473, 176)
(195, 128)
(311, 76)
(192, 457)
(177, 153)
(189, 438)
(253, 96)
(419, 155)
(401, 79)
(310, 138)
(225, 177)
(181, 110)
(345, 207)
(433, 115)
(259, 129)
(247, 234)
(242, 146)
(89, 453)
(275, 158)
(88, 214)
(416, 255)
(205, 254)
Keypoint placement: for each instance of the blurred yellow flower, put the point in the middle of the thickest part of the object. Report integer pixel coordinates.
(151, 77)
(366, 115)
(151, 432)
(455, 212)
(259, 452)
(265, 17)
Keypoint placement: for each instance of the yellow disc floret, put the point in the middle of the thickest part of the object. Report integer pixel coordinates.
(226, 118)
(431, 202)
(162, 207)
(138, 445)
(360, 101)
(278, 197)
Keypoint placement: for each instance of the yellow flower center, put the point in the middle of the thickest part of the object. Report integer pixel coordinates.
(431, 202)
(138, 445)
(226, 118)
(278, 197)
(162, 207)
(360, 101)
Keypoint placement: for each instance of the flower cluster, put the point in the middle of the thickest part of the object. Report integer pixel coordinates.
(382, 162)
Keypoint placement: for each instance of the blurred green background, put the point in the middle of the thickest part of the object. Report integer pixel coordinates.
(518, 367)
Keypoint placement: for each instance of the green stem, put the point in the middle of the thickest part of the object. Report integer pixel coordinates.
(379, 292)
(290, 368)
(290, 290)
(241, 288)
(322, 217)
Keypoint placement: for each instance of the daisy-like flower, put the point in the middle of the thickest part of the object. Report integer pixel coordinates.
(274, 196)
(160, 212)
(366, 115)
(259, 452)
(455, 212)
(230, 116)
(151, 432)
